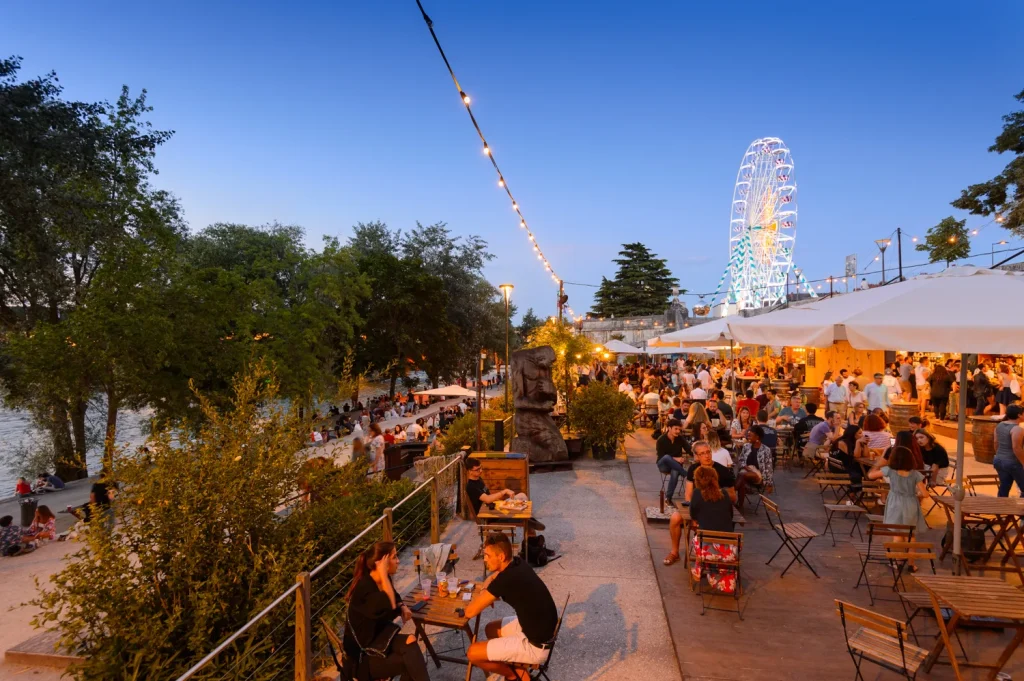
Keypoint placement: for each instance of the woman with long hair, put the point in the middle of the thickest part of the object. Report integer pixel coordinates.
(905, 439)
(936, 459)
(878, 437)
(698, 415)
(373, 646)
(376, 447)
(44, 526)
(711, 510)
(741, 424)
(719, 454)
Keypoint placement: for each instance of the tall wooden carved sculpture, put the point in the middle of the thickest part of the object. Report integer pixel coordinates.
(534, 396)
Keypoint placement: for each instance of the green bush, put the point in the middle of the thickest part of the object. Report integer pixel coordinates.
(202, 545)
(462, 431)
(602, 414)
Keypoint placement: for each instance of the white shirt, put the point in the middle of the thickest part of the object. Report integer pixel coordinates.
(705, 379)
(921, 373)
(698, 394)
(377, 447)
(317, 437)
(689, 379)
(625, 387)
(357, 431)
(721, 456)
(893, 385)
(878, 395)
(838, 394)
(413, 431)
(462, 407)
(651, 400)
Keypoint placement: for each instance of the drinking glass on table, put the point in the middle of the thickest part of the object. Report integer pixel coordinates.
(425, 587)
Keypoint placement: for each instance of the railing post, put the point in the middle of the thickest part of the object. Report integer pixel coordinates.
(303, 631)
(435, 511)
(389, 523)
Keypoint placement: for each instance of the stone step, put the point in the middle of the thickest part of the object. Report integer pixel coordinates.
(42, 650)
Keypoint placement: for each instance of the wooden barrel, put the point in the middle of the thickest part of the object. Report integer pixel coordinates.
(812, 394)
(781, 390)
(982, 430)
(900, 414)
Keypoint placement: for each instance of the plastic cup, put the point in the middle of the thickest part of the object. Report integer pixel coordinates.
(425, 586)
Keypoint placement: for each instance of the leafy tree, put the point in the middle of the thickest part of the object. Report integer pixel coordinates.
(641, 286)
(73, 191)
(527, 324)
(1003, 194)
(947, 241)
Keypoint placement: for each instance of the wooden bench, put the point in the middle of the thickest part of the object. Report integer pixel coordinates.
(42, 650)
(879, 639)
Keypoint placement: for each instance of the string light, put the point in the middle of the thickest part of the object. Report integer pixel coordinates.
(487, 152)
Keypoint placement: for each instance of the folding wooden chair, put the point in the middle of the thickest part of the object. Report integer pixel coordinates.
(708, 566)
(903, 553)
(847, 509)
(540, 671)
(836, 483)
(873, 550)
(879, 639)
(973, 482)
(790, 534)
(817, 463)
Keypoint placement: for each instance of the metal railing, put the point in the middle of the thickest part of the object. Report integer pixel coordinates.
(319, 593)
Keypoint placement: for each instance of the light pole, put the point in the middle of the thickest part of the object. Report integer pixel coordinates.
(882, 245)
(506, 290)
(997, 243)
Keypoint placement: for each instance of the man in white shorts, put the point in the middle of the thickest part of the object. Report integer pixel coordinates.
(525, 638)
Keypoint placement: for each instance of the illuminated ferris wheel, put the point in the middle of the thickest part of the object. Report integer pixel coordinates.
(762, 226)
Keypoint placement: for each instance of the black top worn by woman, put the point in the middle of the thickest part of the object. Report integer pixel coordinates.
(371, 623)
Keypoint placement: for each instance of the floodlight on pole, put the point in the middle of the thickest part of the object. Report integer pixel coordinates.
(506, 291)
(882, 245)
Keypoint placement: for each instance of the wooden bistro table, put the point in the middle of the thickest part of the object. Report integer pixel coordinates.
(500, 513)
(1004, 514)
(684, 511)
(440, 612)
(971, 598)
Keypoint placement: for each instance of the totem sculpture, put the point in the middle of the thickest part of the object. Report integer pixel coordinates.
(534, 396)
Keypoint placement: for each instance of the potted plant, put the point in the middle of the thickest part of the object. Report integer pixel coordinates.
(603, 415)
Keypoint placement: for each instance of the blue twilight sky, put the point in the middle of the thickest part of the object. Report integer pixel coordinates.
(612, 122)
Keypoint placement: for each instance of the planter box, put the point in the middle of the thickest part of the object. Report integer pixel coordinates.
(603, 453)
(574, 445)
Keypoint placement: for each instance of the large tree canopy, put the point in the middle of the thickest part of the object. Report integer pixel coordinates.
(1003, 195)
(947, 241)
(641, 286)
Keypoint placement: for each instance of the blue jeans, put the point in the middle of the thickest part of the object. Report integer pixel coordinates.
(667, 464)
(1010, 471)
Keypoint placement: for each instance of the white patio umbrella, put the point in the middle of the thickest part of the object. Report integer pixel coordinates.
(963, 309)
(448, 391)
(663, 350)
(619, 348)
(707, 335)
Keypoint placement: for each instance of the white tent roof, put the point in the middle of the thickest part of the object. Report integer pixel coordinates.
(814, 325)
(448, 391)
(662, 350)
(708, 335)
(620, 348)
(958, 310)
(963, 309)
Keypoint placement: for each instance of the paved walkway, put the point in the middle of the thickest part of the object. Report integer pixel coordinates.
(615, 626)
(790, 629)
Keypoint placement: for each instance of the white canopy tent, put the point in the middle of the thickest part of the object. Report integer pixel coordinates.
(959, 310)
(713, 334)
(619, 348)
(448, 391)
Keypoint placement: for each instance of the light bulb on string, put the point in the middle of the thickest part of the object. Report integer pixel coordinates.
(522, 223)
(515, 206)
(501, 182)
(974, 233)
(465, 97)
(487, 150)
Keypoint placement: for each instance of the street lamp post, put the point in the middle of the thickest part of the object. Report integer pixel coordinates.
(506, 290)
(882, 245)
(994, 244)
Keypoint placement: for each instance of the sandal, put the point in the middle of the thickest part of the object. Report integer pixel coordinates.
(672, 559)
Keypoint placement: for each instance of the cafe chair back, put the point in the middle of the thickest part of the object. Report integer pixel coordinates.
(877, 638)
(795, 537)
(535, 672)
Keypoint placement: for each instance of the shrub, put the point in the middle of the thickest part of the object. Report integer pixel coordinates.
(602, 414)
(462, 431)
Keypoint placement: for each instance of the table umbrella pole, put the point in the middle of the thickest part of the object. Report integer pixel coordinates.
(958, 486)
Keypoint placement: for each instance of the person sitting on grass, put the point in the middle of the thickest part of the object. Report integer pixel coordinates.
(99, 497)
(22, 488)
(48, 483)
(526, 637)
(711, 510)
(702, 451)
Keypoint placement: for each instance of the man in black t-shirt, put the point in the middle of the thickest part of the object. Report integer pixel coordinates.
(673, 452)
(525, 638)
(479, 495)
(726, 479)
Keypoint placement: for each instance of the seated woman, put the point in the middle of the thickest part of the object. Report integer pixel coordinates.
(936, 459)
(711, 510)
(698, 415)
(848, 448)
(374, 649)
(719, 454)
(874, 429)
(905, 438)
(44, 526)
(856, 416)
(741, 424)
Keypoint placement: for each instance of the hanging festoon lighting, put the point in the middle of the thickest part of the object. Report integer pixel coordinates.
(502, 181)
